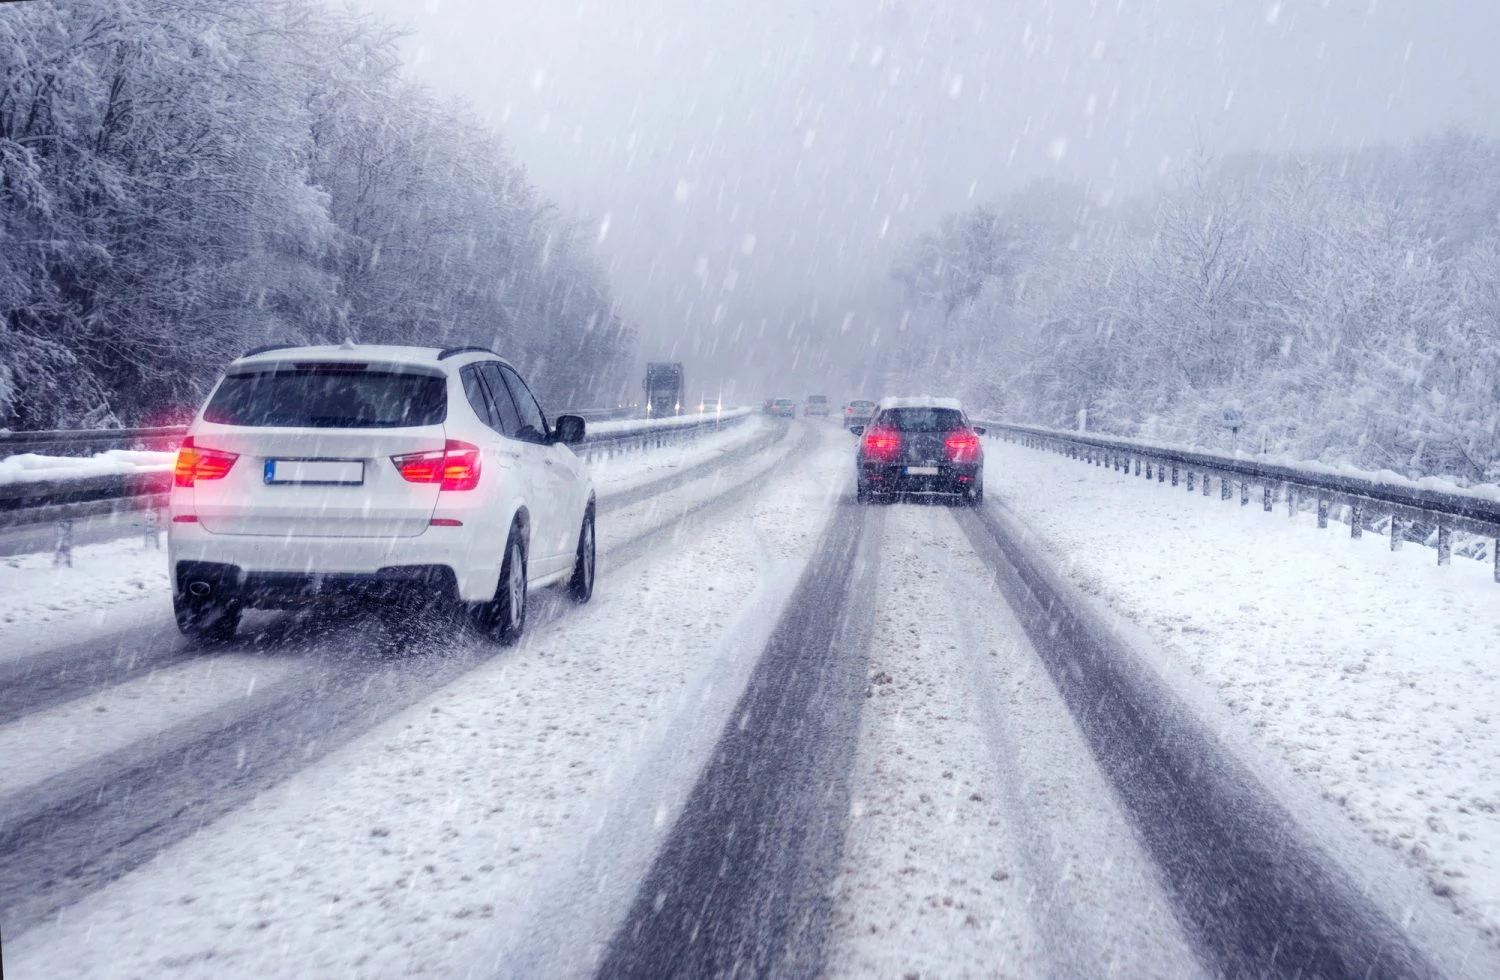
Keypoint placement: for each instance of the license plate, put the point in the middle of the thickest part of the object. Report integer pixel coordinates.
(921, 471)
(336, 472)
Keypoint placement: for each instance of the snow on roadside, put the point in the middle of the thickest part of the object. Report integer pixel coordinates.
(32, 467)
(405, 851)
(38, 597)
(1371, 673)
(634, 469)
(983, 839)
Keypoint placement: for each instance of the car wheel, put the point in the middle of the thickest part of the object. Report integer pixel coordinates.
(504, 617)
(206, 620)
(581, 585)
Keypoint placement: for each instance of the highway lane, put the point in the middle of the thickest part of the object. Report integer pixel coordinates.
(77, 831)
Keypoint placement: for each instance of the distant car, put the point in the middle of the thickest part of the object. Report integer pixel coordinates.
(379, 472)
(784, 408)
(816, 405)
(858, 412)
(920, 445)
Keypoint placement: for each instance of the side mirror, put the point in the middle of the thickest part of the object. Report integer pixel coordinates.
(568, 430)
(979, 430)
(858, 430)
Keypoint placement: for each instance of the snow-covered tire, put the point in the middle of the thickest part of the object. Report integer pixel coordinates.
(581, 584)
(503, 618)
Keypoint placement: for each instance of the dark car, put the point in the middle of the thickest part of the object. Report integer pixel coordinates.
(920, 445)
(784, 408)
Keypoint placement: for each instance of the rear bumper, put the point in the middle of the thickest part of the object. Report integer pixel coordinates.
(290, 567)
(893, 478)
(283, 590)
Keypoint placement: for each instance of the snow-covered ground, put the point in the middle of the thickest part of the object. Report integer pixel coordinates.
(983, 839)
(633, 469)
(1372, 674)
(34, 593)
(505, 819)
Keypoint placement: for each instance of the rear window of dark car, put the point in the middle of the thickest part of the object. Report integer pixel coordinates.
(329, 398)
(923, 419)
(817, 399)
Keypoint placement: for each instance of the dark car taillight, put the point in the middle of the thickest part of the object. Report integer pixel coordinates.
(962, 446)
(882, 444)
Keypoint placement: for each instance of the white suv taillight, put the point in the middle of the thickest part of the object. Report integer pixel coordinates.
(196, 463)
(455, 466)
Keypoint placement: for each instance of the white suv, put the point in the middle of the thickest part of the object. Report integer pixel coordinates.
(320, 472)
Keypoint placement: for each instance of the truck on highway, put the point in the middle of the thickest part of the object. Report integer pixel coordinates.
(664, 388)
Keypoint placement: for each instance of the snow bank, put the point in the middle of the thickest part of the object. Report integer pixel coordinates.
(676, 422)
(34, 468)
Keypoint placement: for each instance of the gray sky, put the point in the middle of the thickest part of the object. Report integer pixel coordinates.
(757, 160)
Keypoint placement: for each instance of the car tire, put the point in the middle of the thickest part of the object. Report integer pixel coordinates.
(503, 618)
(581, 585)
(207, 621)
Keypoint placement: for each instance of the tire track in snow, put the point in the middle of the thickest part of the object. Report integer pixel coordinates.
(1257, 898)
(741, 886)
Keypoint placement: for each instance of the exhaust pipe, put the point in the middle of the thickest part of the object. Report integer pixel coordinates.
(200, 589)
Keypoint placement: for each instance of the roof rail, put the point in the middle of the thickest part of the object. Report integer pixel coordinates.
(455, 351)
(268, 348)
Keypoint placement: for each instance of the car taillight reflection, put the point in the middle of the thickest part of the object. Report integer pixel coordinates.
(962, 446)
(455, 466)
(882, 444)
(196, 463)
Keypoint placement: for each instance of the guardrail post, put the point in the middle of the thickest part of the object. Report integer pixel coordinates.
(1226, 488)
(1291, 501)
(151, 530)
(1356, 519)
(1270, 497)
(1322, 511)
(64, 553)
(1244, 493)
(1396, 534)
(1445, 543)
(1161, 474)
(1190, 476)
(1206, 481)
(1496, 544)
(1138, 468)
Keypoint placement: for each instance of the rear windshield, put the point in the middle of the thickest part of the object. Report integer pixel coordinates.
(861, 404)
(819, 399)
(923, 419)
(329, 399)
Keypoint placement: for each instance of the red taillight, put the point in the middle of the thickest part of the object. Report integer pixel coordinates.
(185, 519)
(882, 444)
(963, 446)
(445, 522)
(196, 463)
(455, 466)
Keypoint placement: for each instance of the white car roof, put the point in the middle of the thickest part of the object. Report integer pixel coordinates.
(383, 353)
(921, 401)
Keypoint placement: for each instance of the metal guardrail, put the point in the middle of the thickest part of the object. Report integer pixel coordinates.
(43, 501)
(1406, 508)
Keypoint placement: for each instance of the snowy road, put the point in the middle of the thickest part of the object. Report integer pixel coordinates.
(792, 736)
